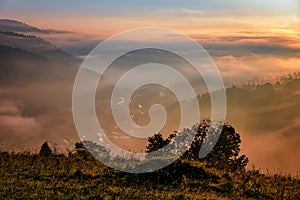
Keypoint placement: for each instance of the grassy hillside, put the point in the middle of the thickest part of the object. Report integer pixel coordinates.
(25, 176)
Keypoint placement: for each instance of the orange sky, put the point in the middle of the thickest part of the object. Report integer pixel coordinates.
(280, 17)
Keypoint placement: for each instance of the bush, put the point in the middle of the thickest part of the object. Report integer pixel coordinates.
(45, 150)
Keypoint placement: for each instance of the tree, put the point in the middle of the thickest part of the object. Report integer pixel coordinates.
(81, 150)
(45, 150)
(225, 154)
(157, 141)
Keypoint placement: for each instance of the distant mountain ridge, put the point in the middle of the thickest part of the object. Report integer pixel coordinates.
(16, 26)
(10, 33)
(25, 58)
(14, 34)
(21, 27)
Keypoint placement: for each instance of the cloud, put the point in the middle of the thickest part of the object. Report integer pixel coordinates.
(40, 113)
(78, 44)
(35, 104)
(272, 151)
(8, 108)
(53, 31)
(245, 68)
(16, 121)
(235, 44)
(244, 45)
(16, 129)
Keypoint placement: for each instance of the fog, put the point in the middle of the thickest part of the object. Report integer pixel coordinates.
(36, 102)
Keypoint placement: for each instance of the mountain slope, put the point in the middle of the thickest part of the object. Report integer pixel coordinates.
(36, 80)
(20, 35)
(19, 67)
(16, 26)
(35, 45)
(267, 117)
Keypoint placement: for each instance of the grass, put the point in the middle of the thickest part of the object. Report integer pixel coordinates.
(30, 176)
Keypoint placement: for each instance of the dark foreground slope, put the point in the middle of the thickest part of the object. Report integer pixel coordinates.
(25, 176)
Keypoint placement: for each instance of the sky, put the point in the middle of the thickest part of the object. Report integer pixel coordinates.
(247, 39)
(190, 17)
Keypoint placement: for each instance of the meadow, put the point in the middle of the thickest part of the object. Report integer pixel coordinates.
(74, 176)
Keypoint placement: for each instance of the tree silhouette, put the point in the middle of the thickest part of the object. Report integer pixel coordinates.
(81, 150)
(225, 153)
(45, 150)
(157, 141)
